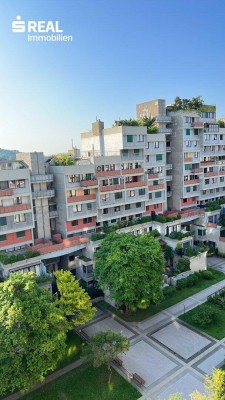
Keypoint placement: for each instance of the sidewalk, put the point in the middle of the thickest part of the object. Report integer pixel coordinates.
(48, 379)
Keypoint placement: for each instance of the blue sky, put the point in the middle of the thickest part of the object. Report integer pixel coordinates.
(123, 52)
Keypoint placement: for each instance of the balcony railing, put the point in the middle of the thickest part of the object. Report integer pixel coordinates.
(165, 130)
(192, 182)
(169, 166)
(41, 178)
(43, 193)
(75, 199)
(16, 208)
(156, 187)
(197, 124)
(6, 192)
(163, 118)
(87, 182)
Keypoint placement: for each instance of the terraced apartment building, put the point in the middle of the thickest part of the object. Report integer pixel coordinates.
(124, 174)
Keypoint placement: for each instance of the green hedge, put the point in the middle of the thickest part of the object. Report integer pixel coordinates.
(12, 258)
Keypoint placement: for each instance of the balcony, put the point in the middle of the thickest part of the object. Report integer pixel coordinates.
(169, 178)
(197, 124)
(197, 170)
(6, 192)
(153, 176)
(133, 171)
(135, 184)
(214, 173)
(87, 183)
(111, 188)
(169, 193)
(168, 149)
(156, 187)
(108, 173)
(188, 159)
(75, 199)
(204, 163)
(163, 118)
(41, 178)
(53, 214)
(16, 208)
(165, 130)
(43, 193)
(169, 166)
(192, 182)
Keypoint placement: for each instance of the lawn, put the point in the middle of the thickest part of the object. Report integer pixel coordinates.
(86, 383)
(215, 329)
(73, 349)
(180, 295)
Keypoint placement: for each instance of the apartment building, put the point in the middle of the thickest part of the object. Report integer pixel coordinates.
(124, 173)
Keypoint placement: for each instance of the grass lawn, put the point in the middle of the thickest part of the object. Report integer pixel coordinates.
(86, 383)
(73, 349)
(180, 295)
(215, 329)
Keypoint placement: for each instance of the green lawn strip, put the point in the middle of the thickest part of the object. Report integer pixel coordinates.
(215, 329)
(86, 383)
(180, 295)
(73, 349)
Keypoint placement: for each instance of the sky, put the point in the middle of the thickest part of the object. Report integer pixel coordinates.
(123, 52)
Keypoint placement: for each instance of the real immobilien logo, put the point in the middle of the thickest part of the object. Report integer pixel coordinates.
(40, 31)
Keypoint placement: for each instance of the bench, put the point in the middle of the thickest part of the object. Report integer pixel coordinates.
(118, 361)
(138, 378)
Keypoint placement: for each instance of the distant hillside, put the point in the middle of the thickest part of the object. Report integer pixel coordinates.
(8, 154)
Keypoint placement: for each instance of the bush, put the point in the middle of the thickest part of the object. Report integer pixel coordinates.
(169, 291)
(97, 236)
(204, 315)
(183, 265)
(191, 280)
(218, 299)
(143, 304)
(207, 275)
(181, 284)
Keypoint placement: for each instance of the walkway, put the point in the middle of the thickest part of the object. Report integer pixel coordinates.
(168, 354)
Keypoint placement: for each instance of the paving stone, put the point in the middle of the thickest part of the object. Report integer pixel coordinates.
(106, 325)
(213, 360)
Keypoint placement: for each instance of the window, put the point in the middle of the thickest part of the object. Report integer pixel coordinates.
(158, 195)
(3, 221)
(138, 205)
(17, 200)
(87, 220)
(117, 209)
(115, 181)
(125, 153)
(127, 206)
(105, 211)
(129, 138)
(118, 195)
(131, 193)
(187, 167)
(2, 238)
(195, 131)
(86, 192)
(105, 197)
(184, 200)
(150, 196)
(201, 232)
(77, 208)
(141, 192)
(188, 189)
(74, 222)
(188, 132)
(195, 188)
(89, 206)
(140, 138)
(20, 234)
(17, 184)
(136, 152)
(158, 157)
(156, 145)
(155, 183)
(19, 218)
(71, 178)
(206, 181)
(188, 143)
(113, 221)
(156, 206)
(222, 179)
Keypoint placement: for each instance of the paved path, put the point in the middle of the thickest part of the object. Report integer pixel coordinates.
(168, 354)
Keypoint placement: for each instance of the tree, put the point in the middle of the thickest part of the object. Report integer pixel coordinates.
(131, 267)
(73, 300)
(169, 254)
(105, 347)
(214, 385)
(63, 159)
(32, 332)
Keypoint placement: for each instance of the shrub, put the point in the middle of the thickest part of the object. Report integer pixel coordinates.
(182, 283)
(204, 315)
(94, 292)
(169, 291)
(207, 275)
(191, 280)
(155, 233)
(143, 304)
(97, 236)
(183, 265)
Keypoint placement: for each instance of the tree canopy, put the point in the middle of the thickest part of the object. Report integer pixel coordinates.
(63, 159)
(187, 104)
(149, 122)
(73, 300)
(32, 332)
(104, 347)
(131, 267)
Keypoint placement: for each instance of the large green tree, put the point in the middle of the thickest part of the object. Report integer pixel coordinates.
(104, 347)
(73, 300)
(131, 267)
(32, 332)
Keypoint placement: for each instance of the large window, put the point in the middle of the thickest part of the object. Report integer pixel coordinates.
(19, 218)
(129, 138)
(3, 238)
(158, 195)
(87, 220)
(141, 192)
(17, 184)
(20, 234)
(131, 193)
(118, 195)
(74, 222)
(140, 138)
(138, 205)
(77, 208)
(158, 157)
(3, 221)
(188, 132)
